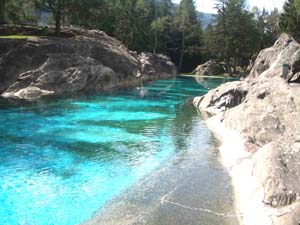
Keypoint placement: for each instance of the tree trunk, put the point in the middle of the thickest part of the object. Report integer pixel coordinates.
(155, 35)
(234, 64)
(57, 23)
(182, 51)
(2, 12)
(227, 62)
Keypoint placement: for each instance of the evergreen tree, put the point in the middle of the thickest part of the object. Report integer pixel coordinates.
(220, 34)
(290, 19)
(2, 11)
(161, 27)
(272, 29)
(90, 14)
(261, 24)
(242, 35)
(17, 11)
(211, 47)
(190, 29)
(161, 24)
(164, 8)
(297, 6)
(62, 8)
(267, 25)
(133, 24)
(234, 35)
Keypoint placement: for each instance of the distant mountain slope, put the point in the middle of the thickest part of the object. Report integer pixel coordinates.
(205, 18)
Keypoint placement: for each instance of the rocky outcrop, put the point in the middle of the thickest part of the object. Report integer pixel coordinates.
(155, 66)
(226, 96)
(209, 68)
(270, 61)
(265, 112)
(86, 61)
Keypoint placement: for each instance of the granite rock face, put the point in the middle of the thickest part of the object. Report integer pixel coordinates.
(88, 61)
(265, 111)
(270, 61)
(209, 68)
(226, 96)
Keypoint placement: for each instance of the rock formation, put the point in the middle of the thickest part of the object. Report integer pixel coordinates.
(86, 61)
(265, 111)
(270, 61)
(209, 68)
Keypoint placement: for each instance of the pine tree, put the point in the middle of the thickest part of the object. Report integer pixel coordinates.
(189, 27)
(133, 24)
(290, 19)
(2, 11)
(221, 35)
(267, 25)
(273, 29)
(161, 22)
(297, 6)
(211, 47)
(17, 11)
(261, 24)
(61, 9)
(234, 34)
(92, 14)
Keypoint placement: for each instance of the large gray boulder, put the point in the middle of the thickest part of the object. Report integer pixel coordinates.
(225, 96)
(265, 112)
(90, 60)
(210, 68)
(270, 61)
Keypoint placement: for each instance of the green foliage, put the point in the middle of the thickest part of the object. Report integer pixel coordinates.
(2, 11)
(93, 14)
(236, 35)
(62, 8)
(160, 14)
(297, 6)
(133, 24)
(17, 11)
(290, 19)
(189, 26)
(267, 25)
(163, 27)
(272, 26)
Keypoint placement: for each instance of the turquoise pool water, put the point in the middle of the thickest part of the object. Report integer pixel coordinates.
(62, 160)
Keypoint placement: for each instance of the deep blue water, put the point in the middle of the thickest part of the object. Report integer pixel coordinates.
(61, 160)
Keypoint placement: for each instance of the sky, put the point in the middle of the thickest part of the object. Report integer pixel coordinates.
(208, 5)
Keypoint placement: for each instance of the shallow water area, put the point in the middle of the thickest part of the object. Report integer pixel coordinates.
(61, 161)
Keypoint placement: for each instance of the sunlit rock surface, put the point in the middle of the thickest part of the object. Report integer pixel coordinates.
(89, 60)
(265, 112)
(270, 61)
(209, 68)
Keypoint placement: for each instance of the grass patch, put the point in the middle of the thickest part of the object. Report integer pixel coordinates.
(17, 37)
